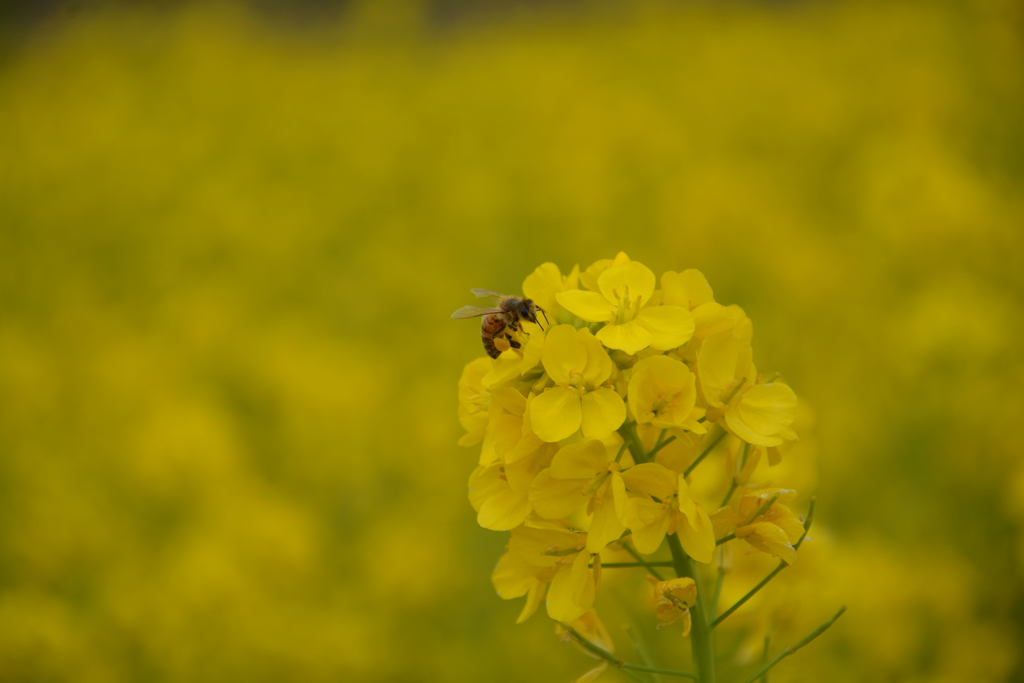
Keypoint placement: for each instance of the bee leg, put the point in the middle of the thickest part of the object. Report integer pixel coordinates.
(511, 342)
(545, 315)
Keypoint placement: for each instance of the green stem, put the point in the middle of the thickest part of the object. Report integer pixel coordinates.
(793, 648)
(636, 449)
(623, 565)
(654, 451)
(732, 490)
(725, 539)
(653, 670)
(645, 656)
(718, 590)
(753, 591)
(735, 484)
(764, 582)
(703, 455)
(602, 653)
(764, 658)
(700, 632)
(639, 558)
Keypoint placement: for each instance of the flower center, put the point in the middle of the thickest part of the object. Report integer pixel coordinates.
(596, 483)
(628, 307)
(663, 402)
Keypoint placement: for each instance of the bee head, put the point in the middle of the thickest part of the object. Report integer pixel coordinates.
(528, 311)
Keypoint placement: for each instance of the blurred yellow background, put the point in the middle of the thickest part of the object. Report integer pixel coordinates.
(230, 242)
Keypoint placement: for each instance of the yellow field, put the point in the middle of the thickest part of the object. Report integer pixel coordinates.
(228, 253)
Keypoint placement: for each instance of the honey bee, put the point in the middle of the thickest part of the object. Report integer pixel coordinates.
(502, 320)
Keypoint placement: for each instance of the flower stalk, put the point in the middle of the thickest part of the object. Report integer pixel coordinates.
(702, 641)
(793, 648)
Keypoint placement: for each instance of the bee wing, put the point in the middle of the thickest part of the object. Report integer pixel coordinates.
(474, 311)
(484, 293)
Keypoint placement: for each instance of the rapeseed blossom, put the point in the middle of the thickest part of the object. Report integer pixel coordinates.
(589, 432)
(624, 302)
(673, 600)
(580, 368)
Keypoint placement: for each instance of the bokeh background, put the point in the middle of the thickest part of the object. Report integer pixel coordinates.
(231, 236)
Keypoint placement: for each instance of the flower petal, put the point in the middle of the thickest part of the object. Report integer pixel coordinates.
(589, 306)
(593, 673)
(649, 524)
(710, 318)
(564, 353)
(583, 583)
(687, 622)
(553, 498)
(533, 598)
(504, 511)
(770, 539)
(716, 365)
(618, 490)
(629, 337)
(543, 284)
(605, 526)
(651, 478)
(670, 326)
(765, 410)
(504, 432)
(583, 460)
(556, 414)
(509, 582)
(661, 390)
(632, 278)
(510, 400)
(689, 289)
(506, 367)
(599, 365)
(696, 534)
(603, 413)
(485, 482)
(561, 606)
(533, 349)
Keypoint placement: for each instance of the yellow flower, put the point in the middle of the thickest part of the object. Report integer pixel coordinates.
(500, 492)
(514, 579)
(757, 413)
(579, 366)
(690, 290)
(662, 392)
(474, 401)
(588, 278)
(584, 473)
(773, 532)
(673, 600)
(544, 285)
(554, 555)
(665, 507)
(510, 436)
(623, 303)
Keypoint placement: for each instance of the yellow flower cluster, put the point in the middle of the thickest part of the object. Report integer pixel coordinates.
(572, 426)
